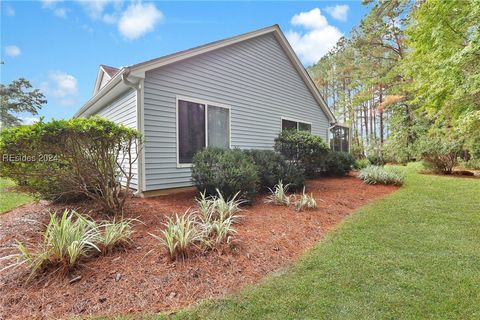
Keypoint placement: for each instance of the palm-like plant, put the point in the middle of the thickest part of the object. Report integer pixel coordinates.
(279, 195)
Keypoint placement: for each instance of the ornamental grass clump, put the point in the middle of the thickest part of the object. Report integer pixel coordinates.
(279, 195)
(69, 239)
(65, 242)
(179, 235)
(306, 201)
(381, 175)
(216, 217)
(116, 233)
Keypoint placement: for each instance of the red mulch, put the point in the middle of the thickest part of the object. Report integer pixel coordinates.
(138, 280)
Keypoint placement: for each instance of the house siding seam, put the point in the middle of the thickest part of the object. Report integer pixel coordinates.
(254, 77)
(123, 110)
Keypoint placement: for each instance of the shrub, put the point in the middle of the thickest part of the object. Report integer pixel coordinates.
(305, 201)
(64, 159)
(469, 129)
(440, 152)
(361, 163)
(279, 195)
(179, 236)
(229, 171)
(380, 175)
(304, 149)
(339, 163)
(273, 167)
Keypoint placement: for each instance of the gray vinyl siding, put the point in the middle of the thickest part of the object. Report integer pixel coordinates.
(255, 78)
(123, 110)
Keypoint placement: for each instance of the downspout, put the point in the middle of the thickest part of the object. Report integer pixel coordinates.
(137, 86)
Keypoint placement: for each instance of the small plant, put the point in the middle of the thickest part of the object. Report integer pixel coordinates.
(306, 201)
(179, 235)
(217, 216)
(279, 195)
(224, 209)
(116, 233)
(65, 242)
(206, 205)
(361, 163)
(217, 231)
(380, 175)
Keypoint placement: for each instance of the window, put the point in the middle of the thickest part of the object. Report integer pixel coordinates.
(340, 138)
(200, 124)
(296, 125)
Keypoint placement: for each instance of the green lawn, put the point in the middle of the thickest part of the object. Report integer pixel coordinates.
(412, 255)
(10, 199)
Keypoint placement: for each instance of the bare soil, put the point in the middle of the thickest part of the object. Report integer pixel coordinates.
(141, 278)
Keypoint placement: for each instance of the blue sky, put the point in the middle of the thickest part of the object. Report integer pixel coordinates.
(58, 45)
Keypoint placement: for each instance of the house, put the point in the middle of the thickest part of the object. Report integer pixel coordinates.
(238, 92)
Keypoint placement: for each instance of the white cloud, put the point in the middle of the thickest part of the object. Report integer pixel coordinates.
(139, 19)
(9, 11)
(12, 51)
(109, 18)
(94, 8)
(339, 12)
(60, 12)
(317, 38)
(29, 120)
(50, 3)
(312, 19)
(53, 6)
(62, 86)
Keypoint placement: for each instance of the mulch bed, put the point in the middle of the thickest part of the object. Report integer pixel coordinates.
(138, 279)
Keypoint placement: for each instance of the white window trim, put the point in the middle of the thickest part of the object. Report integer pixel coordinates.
(294, 120)
(206, 103)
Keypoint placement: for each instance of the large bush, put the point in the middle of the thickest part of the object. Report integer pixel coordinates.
(339, 163)
(440, 151)
(273, 167)
(304, 149)
(229, 171)
(61, 159)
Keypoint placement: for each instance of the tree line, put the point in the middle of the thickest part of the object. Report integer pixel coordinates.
(407, 73)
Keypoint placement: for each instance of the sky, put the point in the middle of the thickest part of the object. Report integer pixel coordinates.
(59, 45)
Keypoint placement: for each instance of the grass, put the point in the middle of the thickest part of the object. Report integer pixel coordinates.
(412, 255)
(10, 199)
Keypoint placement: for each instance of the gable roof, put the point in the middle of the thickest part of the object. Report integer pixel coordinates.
(138, 70)
(111, 71)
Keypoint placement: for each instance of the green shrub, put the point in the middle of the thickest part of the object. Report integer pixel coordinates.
(339, 163)
(469, 129)
(380, 175)
(229, 171)
(304, 149)
(440, 152)
(470, 164)
(361, 163)
(273, 167)
(65, 159)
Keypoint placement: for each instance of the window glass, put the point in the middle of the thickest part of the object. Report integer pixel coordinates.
(191, 130)
(218, 127)
(304, 127)
(289, 125)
